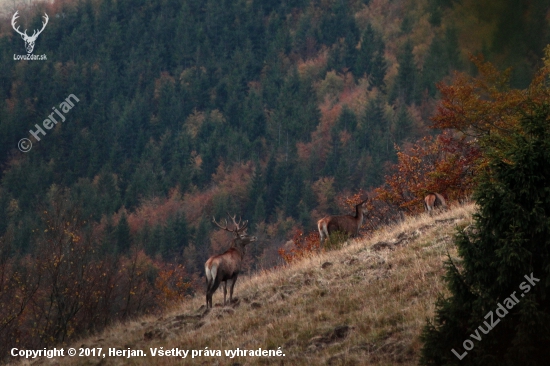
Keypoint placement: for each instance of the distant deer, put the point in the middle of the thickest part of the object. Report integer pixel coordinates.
(433, 201)
(227, 266)
(344, 223)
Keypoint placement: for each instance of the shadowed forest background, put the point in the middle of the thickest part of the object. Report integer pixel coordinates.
(276, 111)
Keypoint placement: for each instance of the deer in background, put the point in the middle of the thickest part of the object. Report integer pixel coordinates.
(227, 266)
(433, 201)
(344, 223)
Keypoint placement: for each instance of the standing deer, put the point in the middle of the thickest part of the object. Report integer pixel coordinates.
(345, 223)
(227, 266)
(433, 201)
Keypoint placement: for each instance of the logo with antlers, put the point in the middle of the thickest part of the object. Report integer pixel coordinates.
(29, 41)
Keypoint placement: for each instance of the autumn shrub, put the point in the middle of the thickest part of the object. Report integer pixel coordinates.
(304, 246)
(446, 163)
(380, 212)
(66, 288)
(335, 240)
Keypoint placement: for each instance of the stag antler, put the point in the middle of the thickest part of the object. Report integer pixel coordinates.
(238, 228)
(221, 227)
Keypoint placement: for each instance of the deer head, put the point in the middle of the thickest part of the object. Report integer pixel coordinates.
(29, 41)
(239, 229)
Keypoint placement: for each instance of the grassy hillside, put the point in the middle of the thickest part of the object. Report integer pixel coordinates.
(364, 304)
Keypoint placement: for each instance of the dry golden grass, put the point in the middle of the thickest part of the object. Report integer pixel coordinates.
(365, 304)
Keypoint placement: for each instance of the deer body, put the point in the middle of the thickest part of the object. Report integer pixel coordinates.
(433, 201)
(227, 266)
(345, 223)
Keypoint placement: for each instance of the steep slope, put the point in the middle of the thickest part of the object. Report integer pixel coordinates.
(363, 304)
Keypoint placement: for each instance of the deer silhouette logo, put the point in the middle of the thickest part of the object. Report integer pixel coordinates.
(29, 40)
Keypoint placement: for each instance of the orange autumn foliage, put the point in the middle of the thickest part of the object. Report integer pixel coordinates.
(171, 283)
(155, 211)
(444, 164)
(304, 246)
(486, 107)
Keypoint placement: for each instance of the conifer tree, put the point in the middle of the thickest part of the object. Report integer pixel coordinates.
(406, 75)
(379, 68)
(498, 311)
(123, 234)
(286, 198)
(256, 192)
(366, 52)
(403, 124)
(259, 211)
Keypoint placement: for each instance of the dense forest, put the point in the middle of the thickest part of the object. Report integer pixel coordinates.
(275, 111)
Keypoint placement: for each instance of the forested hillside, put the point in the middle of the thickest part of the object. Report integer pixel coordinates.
(273, 111)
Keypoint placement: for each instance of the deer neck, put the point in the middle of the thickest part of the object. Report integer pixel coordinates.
(239, 247)
(359, 215)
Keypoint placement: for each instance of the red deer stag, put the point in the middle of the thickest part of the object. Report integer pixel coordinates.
(226, 266)
(433, 201)
(344, 223)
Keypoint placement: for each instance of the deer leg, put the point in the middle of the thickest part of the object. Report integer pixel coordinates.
(207, 289)
(231, 289)
(210, 291)
(224, 291)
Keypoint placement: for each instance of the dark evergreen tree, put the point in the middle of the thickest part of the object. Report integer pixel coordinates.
(272, 189)
(202, 240)
(123, 237)
(379, 68)
(155, 241)
(305, 39)
(435, 67)
(347, 121)
(181, 229)
(109, 240)
(256, 192)
(259, 215)
(254, 121)
(366, 53)
(434, 7)
(175, 238)
(338, 23)
(286, 198)
(407, 24)
(406, 75)
(403, 124)
(501, 290)
(452, 49)
(167, 247)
